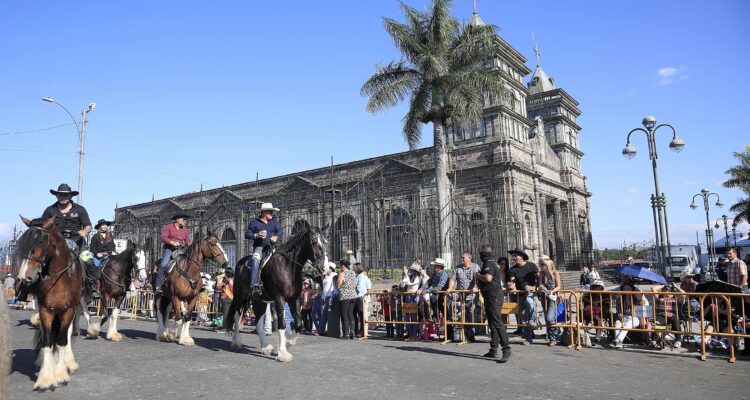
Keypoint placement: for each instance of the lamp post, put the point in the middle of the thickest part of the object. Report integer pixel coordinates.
(658, 199)
(81, 129)
(705, 194)
(725, 220)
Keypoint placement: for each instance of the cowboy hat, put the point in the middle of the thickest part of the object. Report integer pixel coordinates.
(415, 267)
(179, 215)
(438, 261)
(102, 222)
(267, 207)
(63, 189)
(519, 252)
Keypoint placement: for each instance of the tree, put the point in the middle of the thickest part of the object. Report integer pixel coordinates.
(443, 76)
(740, 178)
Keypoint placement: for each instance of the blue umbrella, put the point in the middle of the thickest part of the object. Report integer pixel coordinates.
(642, 273)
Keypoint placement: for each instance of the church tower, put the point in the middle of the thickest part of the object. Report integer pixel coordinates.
(569, 218)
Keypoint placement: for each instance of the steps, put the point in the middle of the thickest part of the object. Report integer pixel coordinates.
(571, 279)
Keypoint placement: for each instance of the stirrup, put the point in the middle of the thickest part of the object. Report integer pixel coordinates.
(256, 290)
(95, 295)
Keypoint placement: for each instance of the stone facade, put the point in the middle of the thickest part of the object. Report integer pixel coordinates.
(515, 182)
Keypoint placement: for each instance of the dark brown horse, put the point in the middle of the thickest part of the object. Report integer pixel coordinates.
(282, 282)
(55, 275)
(184, 283)
(114, 283)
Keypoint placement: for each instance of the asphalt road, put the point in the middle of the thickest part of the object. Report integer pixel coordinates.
(324, 368)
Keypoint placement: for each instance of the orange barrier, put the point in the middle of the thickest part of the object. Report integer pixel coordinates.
(142, 301)
(456, 310)
(656, 315)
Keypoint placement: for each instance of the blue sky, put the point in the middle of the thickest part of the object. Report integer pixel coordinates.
(208, 93)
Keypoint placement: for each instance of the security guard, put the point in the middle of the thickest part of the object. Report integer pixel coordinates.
(488, 280)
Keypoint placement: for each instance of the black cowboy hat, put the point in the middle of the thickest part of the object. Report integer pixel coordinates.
(180, 215)
(63, 189)
(519, 252)
(102, 222)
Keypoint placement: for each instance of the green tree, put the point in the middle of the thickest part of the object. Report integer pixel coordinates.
(740, 178)
(443, 76)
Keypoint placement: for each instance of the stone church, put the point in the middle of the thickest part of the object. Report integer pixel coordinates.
(516, 181)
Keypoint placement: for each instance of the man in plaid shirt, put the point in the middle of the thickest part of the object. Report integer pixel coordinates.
(736, 270)
(665, 311)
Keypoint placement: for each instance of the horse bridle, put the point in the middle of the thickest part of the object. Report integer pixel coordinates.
(314, 260)
(184, 273)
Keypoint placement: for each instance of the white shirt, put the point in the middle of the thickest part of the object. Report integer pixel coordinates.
(328, 286)
(412, 284)
(9, 282)
(210, 286)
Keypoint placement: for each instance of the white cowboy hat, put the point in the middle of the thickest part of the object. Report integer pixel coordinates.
(438, 261)
(267, 207)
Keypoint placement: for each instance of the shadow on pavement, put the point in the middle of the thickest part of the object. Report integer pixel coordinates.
(23, 362)
(135, 334)
(438, 351)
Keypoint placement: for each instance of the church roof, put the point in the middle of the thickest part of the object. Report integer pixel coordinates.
(540, 82)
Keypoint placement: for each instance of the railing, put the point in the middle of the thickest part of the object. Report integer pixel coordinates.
(656, 315)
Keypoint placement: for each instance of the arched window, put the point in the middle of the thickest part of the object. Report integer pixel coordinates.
(346, 236)
(477, 227)
(229, 243)
(398, 237)
(151, 251)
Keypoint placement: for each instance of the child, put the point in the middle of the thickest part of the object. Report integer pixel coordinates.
(385, 307)
(306, 304)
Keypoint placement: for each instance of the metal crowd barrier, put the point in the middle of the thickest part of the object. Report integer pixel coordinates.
(456, 310)
(142, 302)
(690, 316)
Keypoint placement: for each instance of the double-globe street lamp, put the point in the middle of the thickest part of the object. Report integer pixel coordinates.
(710, 246)
(81, 129)
(725, 220)
(658, 199)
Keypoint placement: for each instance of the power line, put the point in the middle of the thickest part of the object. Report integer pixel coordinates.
(127, 164)
(35, 130)
(36, 151)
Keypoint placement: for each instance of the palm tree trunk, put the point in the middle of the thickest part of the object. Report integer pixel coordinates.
(443, 192)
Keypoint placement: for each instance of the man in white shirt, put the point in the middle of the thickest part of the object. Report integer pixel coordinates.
(327, 295)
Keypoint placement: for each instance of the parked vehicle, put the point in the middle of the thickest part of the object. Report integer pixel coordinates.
(684, 256)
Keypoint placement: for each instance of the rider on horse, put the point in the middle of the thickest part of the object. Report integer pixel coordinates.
(72, 222)
(174, 236)
(265, 231)
(101, 247)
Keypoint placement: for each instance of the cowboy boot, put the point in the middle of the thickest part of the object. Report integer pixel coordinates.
(92, 274)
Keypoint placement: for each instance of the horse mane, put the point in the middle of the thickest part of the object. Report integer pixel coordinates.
(296, 241)
(27, 242)
(128, 252)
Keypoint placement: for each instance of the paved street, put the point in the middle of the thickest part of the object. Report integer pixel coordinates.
(141, 368)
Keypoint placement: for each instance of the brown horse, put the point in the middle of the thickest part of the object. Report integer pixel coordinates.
(184, 283)
(55, 275)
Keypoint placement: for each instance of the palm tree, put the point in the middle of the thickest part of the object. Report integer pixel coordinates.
(740, 178)
(442, 73)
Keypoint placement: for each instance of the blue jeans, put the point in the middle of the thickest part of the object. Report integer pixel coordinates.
(315, 317)
(550, 318)
(166, 256)
(255, 264)
(470, 313)
(323, 318)
(528, 315)
(411, 328)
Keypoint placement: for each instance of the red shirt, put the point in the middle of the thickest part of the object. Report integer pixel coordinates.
(170, 233)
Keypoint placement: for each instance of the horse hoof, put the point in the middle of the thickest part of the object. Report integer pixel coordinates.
(115, 337)
(284, 357)
(236, 346)
(266, 351)
(92, 335)
(163, 338)
(73, 367)
(42, 389)
(186, 341)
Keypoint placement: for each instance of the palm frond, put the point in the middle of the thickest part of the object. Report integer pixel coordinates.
(741, 209)
(419, 107)
(740, 174)
(389, 86)
(406, 38)
(442, 26)
(474, 45)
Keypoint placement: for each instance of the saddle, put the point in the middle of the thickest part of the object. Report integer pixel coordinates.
(171, 266)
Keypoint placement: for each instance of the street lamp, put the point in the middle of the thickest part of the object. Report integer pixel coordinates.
(81, 130)
(725, 220)
(658, 199)
(705, 194)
